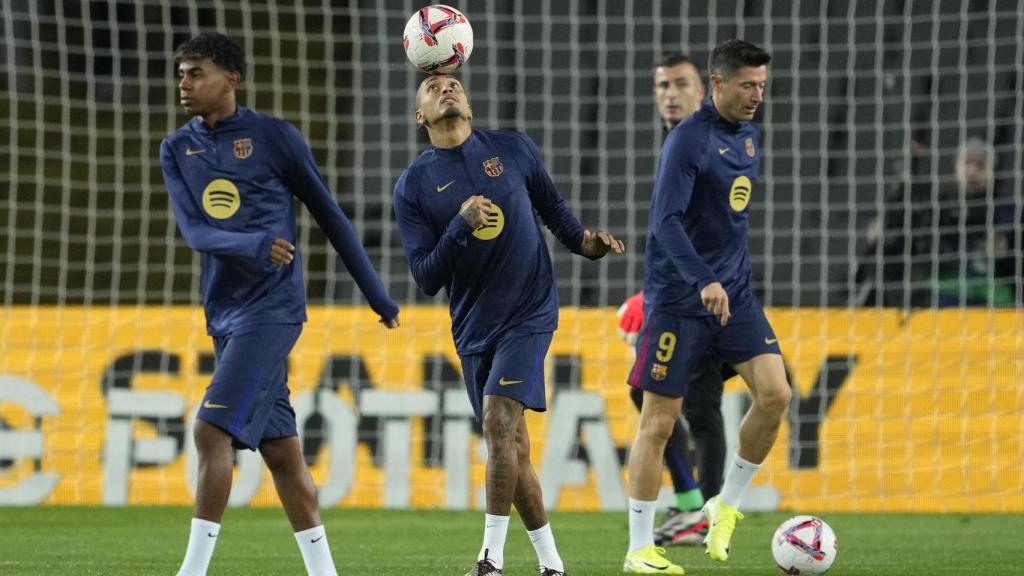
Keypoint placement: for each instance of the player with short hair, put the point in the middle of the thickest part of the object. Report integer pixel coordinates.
(698, 298)
(679, 92)
(231, 174)
(466, 210)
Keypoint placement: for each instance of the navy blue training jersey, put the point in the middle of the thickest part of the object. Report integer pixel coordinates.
(499, 278)
(699, 217)
(231, 189)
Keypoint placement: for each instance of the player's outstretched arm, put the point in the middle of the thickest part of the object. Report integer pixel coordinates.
(308, 185)
(600, 243)
(548, 203)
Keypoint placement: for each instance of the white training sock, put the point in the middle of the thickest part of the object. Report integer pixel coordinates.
(737, 479)
(544, 543)
(641, 524)
(201, 541)
(315, 552)
(495, 530)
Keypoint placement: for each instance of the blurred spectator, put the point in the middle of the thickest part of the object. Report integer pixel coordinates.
(946, 246)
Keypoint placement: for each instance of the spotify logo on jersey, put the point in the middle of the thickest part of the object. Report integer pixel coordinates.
(739, 195)
(221, 199)
(495, 224)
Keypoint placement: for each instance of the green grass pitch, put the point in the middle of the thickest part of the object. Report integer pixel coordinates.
(151, 540)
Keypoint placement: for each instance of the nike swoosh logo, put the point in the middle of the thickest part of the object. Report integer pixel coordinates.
(209, 404)
(191, 152)
(315, 540)
(637, 510)
(770, 340)
(442, 188)
(722, 151)
(649, 565)
(211, 535)
(504, 382)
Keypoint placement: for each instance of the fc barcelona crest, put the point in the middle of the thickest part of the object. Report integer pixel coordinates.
(659, 372)
(243, 148)
(494, 167)
(750, 147)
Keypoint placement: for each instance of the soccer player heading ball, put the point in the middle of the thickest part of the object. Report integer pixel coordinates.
(465, 210)
(231, 174)
(698, 298)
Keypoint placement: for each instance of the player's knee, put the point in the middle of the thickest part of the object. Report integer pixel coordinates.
(657, 427)
(209, 438)
(498, 424)
(273, 457)
(775, 399)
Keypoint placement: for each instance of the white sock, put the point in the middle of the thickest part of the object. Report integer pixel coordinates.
(315, 552)
(544, 543)
(495, 529)
(201, 541)
(737, 479)
(641, 524)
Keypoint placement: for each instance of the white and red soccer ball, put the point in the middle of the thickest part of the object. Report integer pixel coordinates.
(438, 39)
(804, 545)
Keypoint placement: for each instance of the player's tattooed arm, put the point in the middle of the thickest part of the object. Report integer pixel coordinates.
(475, 211)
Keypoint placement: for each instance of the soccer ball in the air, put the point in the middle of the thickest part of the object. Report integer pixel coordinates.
(804, 545)
(438, 39)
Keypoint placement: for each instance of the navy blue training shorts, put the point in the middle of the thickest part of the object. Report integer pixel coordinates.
(669, 347)
(513, 367)
(248, 395)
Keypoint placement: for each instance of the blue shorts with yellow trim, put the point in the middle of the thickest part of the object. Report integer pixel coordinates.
(248, 395)
(669, 347)
(513, 367)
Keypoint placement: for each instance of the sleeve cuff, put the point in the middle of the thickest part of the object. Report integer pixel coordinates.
(703, 282)
(459, 229)
(263, 249)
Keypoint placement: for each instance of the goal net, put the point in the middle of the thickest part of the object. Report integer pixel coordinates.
(886, 243)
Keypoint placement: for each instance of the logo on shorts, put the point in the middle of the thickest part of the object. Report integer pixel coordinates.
(659, 372)
(209, 404)
(770, 341)
(504, 382)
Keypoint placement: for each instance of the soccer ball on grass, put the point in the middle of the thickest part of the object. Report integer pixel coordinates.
(438, 39)
(804, 545)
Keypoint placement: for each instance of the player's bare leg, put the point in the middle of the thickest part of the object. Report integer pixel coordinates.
(528, 499)
(293, 482)
(765, 375)
(501, 420)
(501, 423)
(216, 460)
(529, 502)
(658, 415)
(297, 492)
(216, 463)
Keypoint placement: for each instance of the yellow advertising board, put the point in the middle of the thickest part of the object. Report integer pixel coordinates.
(892, 412)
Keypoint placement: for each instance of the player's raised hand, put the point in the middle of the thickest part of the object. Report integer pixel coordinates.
(281, 251)
(390, 324)
(600, 243)
(716, 300)
(475, 211)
